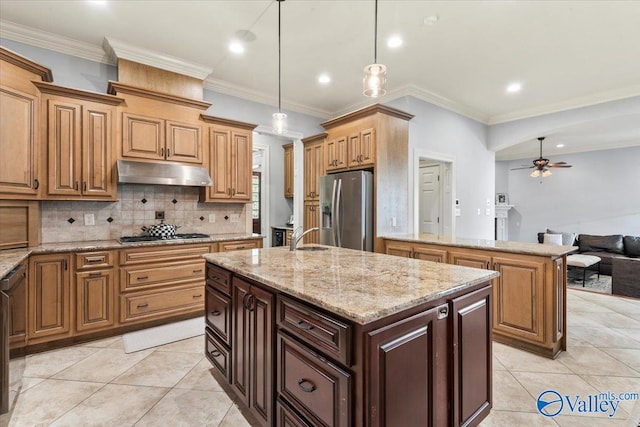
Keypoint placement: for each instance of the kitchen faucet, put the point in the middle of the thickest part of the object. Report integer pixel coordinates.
(295, 238)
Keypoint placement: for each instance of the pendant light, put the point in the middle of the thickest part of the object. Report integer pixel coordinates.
(279, 119)
(375, 75)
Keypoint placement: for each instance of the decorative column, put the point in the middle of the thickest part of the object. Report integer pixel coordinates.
(502, 221)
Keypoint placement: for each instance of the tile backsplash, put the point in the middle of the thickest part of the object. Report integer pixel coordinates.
(65, 221)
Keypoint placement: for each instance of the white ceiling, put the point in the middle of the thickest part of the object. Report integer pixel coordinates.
(565, 53)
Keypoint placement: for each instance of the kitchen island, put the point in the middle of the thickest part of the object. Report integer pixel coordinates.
(348, 338)
(529, 296)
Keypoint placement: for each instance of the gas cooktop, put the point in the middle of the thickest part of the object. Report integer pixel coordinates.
(134, 239)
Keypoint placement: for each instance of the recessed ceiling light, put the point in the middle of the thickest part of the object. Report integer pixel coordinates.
(514, 88)
(394, 41)
(560, 145)
(236, 47)
(97, 2)
(324, 79)
(431, 20)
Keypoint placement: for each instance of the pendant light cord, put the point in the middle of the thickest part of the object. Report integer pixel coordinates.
(375, 36)
(280, 63)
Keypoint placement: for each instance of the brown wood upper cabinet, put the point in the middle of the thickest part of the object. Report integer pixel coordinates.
(19, 114)
(230, 161)
(313, 166)
(158, 139)
(361, 149)
(288, 170)
(336, 153)
(80, 140)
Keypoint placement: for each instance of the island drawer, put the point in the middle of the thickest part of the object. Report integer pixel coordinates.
(150, 276)
(218, 314)
(327, 334)
(218, 354)
(238, 245)
(314, 386)
(220, 279)
(287, 417)
(88, 260)
(162, 253)
(147, 305)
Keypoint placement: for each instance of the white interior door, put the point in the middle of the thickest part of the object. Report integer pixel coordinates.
(430, 199)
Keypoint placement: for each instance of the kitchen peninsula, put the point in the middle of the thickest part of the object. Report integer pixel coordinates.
(340, 337)
(529, 296)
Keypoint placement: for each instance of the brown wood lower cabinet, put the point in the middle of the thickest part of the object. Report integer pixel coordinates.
(294, 364)
(95, 295)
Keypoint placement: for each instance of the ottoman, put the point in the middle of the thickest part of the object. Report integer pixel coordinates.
(584, 262)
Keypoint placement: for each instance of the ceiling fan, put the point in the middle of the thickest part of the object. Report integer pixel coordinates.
(542, 165)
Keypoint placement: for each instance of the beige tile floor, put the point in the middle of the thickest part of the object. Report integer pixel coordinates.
(97, 384)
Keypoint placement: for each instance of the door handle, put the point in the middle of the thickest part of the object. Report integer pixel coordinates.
(338, 219)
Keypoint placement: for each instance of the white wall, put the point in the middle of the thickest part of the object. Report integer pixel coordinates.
(435, 129)
(600, 194)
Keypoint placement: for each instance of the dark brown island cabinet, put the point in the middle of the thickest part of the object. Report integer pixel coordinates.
(294, 358)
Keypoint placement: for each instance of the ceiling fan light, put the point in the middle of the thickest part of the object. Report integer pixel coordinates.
(279, 123)
(535, 173)
(375, 80)
(546, 173)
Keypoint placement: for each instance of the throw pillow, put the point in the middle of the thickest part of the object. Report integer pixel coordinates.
(632, 246)
(568, 239)
(552, 239)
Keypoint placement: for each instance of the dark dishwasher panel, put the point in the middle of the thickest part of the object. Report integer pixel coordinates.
(277, 239)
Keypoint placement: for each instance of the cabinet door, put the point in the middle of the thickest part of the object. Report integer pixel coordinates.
(97, 151)
(184, 142)
(241, 165)
(518, 295)
(472, 356)
(241, 338)
(429, 254)
(18, 143)
(18, 316)
(470, 260)
(312, 219)
(310, 173)
(341, 152)
(288, 171)
(49, 297)
(330, 156)
(353, 150)
(142, 137)
(261, 305)
(399, 249)
(367, 147)
(559, 300)
(64, 144)
(219, 164)
(95, 299)
(403, 385)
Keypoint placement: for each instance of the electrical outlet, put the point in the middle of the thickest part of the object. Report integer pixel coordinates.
(89, 219)
(488, 203)
(479, 212)
(487, 211)
(394, 223)
(212, 218)
(458, 212)
(235, 217)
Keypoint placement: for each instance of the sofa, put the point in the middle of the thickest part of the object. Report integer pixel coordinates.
(620, 258)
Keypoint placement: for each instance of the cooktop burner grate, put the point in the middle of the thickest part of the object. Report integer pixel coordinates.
(134, 239)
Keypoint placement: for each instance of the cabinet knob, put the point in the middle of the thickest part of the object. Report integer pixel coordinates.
(306, 385)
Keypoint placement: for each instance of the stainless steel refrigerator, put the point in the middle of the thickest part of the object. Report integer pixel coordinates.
(346, 210)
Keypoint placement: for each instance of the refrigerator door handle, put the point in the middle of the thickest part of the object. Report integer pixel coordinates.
(338, 219)
(333, 214)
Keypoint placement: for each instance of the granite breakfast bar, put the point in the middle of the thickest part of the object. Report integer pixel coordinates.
(342, 337)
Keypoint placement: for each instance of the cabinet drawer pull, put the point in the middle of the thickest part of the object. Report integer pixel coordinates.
(234, 192)
(162, 151)
(229, 191)
(95, 274)
(304, 325)
(214, 278)
(215, 353)
(306, 388)
(215, 313)
(197, 296)
(75, 185)
(84, 185)
(94, 259)
(36, 184)
(142, 277)
(239, 247)
(168, 152)
(197, 271)
(143, 305)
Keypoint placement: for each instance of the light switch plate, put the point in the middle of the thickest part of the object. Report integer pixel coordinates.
(89, 219)
(212, 218)
(458, 212)
(487, 211)
(234, 217)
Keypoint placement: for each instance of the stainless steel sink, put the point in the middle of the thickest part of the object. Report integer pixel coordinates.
(311, 248)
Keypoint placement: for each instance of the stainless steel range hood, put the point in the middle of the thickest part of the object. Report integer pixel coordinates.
(130, 172)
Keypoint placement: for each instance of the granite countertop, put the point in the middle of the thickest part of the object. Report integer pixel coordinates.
(360, 286)
(491, 245)
(12, 257)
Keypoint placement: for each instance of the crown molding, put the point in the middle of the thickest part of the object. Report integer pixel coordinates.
(423, 95)
(260, 97)
(21, 34)
(120, 50)
(572, 104)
